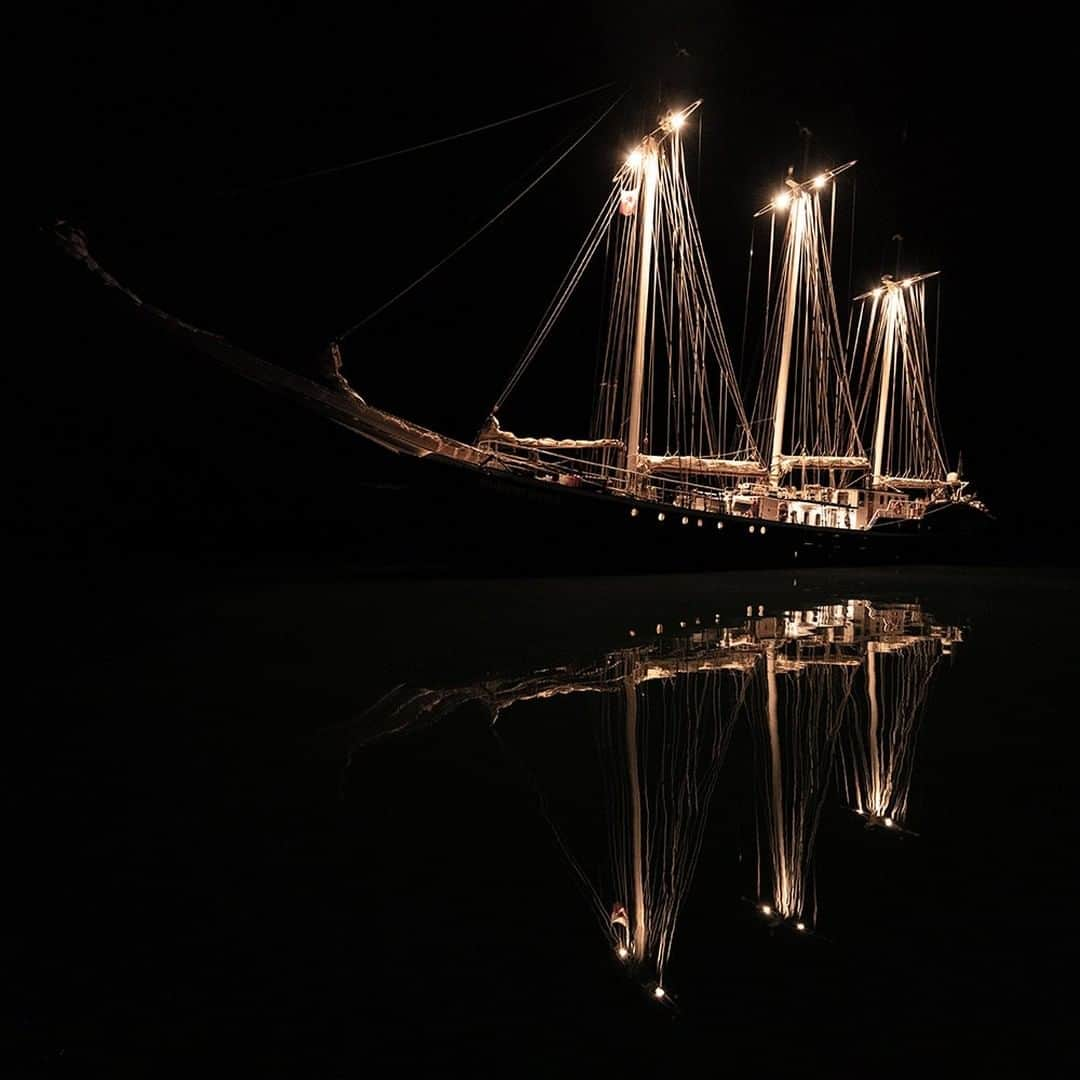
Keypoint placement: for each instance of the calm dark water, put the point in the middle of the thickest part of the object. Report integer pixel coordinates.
(321, 826)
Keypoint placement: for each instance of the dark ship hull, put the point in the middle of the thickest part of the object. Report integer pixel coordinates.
(253, 469)
(444, 517)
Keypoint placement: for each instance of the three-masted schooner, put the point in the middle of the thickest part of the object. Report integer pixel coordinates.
(840, 460)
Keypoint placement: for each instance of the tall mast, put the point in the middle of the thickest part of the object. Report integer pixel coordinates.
(798, 211)
(650, 175)
(892, 308)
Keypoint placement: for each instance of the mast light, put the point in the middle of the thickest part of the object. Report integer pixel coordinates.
(782, 201)
(676, 120)
(820, 181)
(633, 159)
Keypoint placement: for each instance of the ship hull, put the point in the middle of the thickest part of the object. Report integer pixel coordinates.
(231, 460)
(442, 517)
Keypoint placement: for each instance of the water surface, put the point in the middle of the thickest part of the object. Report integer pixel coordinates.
(320, 825)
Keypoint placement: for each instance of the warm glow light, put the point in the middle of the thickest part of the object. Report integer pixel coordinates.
(800, 926)
(906, 282)
(765, 909)
(658, 992)
(782, 201)
(677, 120)
(819, 182)
(889, 823)
(623, 952)
(877, 292)
(633, 159)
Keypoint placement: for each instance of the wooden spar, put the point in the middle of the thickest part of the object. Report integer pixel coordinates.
(798, 226)
(892, 302)
(650, 174)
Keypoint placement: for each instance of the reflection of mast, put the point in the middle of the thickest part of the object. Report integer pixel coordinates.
(871, 683)
(879, 751)
(777, 786)
(808, 677)
(638, 927)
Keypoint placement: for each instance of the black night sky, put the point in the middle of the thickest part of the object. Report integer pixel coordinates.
(174, 141)
(218, 858)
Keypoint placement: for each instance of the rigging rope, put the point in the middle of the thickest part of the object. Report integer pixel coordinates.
(435, 142)
(483, 228)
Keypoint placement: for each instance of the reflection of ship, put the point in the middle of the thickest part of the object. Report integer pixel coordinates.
(879, 750)
(840, 459)
(667, 708)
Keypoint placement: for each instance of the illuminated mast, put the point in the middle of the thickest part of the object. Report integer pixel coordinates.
(650, 175)
(799, 235)
(892, 313)
(798, 227)
(897, 329)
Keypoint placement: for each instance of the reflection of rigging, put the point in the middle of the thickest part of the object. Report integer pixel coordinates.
(808, 683)
(878, 753)
(665, 711)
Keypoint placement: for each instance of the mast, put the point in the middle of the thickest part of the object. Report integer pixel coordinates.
(650, 175)
(783, 378)
(891, 309)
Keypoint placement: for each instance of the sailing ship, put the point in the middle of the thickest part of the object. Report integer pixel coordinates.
(807, 682)
(840, 459)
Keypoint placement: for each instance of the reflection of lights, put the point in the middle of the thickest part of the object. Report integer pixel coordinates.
(889, 823)
(819, 181)
(860, 812)
(782, 201)
(623, 952)
(800, 926)
(658, 992)
(633, 159)
(765, 909)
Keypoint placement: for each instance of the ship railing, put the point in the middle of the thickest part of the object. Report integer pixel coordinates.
(580, 471)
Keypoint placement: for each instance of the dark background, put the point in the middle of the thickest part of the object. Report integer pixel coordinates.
(198, 876)
(166, 135)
